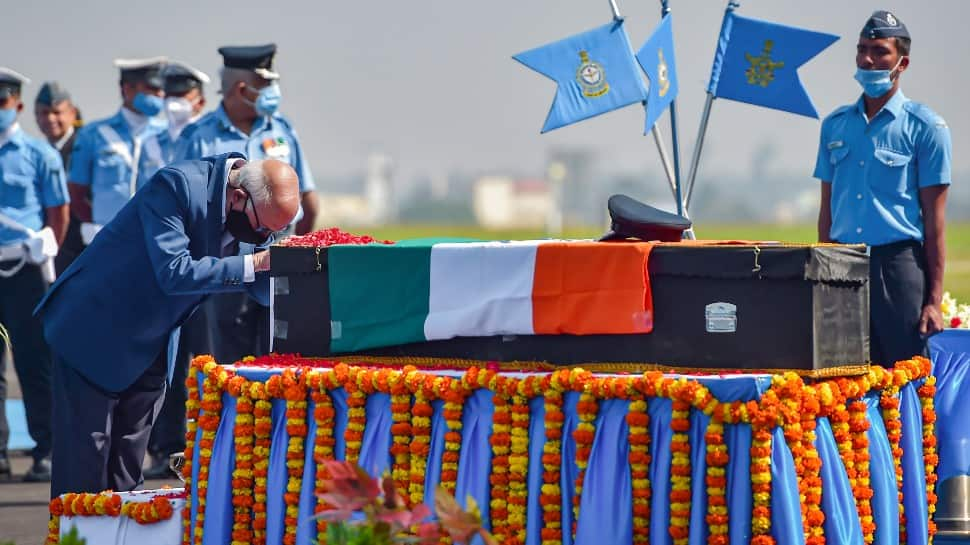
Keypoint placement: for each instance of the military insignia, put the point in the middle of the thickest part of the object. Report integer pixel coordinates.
(762, 69)
(890, 20)
(591, 77)
(662, 76)
(276, 148)
(835, 144)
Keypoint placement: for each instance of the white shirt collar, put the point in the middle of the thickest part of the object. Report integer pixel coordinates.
(67, 136)
(6, 135)
(136, 121)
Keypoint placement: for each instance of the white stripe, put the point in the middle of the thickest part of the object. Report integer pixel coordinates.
(115, 142)
(480, 289)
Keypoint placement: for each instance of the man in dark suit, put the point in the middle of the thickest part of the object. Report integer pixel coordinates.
(113, 318)
(57, 117)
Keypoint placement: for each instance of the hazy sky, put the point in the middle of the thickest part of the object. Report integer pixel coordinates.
(432, 82)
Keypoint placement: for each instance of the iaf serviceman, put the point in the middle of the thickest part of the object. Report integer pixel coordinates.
(58, 118)
(184, 102)
(247, 121)
(184, 98)
(884, 163)
(33, 221)
(116, 156)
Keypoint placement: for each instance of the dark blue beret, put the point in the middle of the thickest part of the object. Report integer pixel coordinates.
(51, 93)
(883, 24)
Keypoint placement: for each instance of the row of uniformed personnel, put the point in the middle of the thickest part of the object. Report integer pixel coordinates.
(55, 203)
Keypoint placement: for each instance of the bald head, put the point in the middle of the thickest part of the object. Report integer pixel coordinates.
(274, 188)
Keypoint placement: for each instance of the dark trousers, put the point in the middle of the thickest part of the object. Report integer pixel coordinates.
(168, 434)
(241, 327)
(897, 292)
(71, 248)
(19, 294)
(100, 437)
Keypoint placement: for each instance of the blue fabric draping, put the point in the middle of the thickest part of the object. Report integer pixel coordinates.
(433, 472)
(882, 475)
(786, 510)
(569, 471)
(277, 477)
(537, 440)
(914, 480)
(606, 505)
(218, 498)
(306, 530)
(605, 509)
(842, 524)
(375, 447)
(660, 434)
(475, 460)
(950, 351)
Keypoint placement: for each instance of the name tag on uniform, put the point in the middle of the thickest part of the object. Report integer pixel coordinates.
(835, 144)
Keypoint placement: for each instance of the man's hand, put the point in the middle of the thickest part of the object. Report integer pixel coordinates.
(930, 320)
(261, 263)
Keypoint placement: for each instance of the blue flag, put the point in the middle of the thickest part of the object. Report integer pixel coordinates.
(656, 57)
(757, 62)
(595, 72)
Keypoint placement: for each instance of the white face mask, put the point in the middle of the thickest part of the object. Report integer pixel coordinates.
(179, 110)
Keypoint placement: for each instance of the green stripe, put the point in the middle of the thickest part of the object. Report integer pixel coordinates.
(379, 293)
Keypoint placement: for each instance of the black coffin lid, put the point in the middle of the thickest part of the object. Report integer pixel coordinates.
(799, 307)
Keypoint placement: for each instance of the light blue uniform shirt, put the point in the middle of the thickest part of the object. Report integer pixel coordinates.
(31, 180)
(103, 155)
(878, 167)
(271, 138)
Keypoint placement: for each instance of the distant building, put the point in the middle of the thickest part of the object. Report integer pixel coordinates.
(501, 202)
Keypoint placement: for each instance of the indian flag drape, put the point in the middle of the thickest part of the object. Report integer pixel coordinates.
(413, 291)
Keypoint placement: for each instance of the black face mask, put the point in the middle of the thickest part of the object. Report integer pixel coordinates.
(238, 225)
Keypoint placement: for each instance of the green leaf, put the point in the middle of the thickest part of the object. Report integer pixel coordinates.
(72, 538)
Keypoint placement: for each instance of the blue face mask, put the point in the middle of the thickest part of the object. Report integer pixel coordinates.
(268, 100)
(149, 105)
(7, 118)
(876, 83)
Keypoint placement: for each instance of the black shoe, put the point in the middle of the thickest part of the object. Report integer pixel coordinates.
(4, 466)
(159, 468)
(39, 472)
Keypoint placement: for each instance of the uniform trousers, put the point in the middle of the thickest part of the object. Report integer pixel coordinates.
(19, 294)
(100, 437)
(897, 293)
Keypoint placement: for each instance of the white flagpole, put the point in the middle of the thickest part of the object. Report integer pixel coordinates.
(705, 118)
(664, 158)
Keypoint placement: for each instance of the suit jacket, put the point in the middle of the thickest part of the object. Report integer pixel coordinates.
(122, 302)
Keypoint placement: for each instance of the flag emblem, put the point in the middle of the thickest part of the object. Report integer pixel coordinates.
(762, 69)
(591, 77)
(663, 79)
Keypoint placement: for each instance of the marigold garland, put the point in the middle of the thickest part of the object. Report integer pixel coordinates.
(324, 442)
(551, 493)
(193, 404)
(501, 442)
(291, 386)
(212, 389)
(638, 436)
(517, 503)
(680, 495)
(454, 396)
(400, 431)
(789, 403)
(583, 435)
(862, 487)
(107, 504)
(889, 402)
(263, 429)
(930, 459)
(242, 474)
